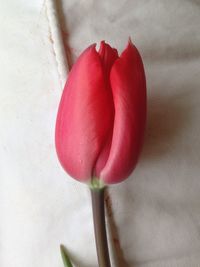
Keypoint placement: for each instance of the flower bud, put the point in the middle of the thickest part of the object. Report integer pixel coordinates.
(102, 114)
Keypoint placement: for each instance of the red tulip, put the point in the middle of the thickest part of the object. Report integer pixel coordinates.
(101, 118)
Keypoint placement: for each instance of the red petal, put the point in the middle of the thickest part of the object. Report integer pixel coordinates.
(129, 93)
(85, 116)
(108, 56)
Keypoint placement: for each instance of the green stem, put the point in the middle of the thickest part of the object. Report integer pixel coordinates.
(99, 226)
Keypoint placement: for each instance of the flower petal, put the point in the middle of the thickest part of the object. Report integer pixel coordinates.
(85, 116)
(108, 56)
(129, 93)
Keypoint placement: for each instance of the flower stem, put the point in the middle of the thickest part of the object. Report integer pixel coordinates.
(97, 195)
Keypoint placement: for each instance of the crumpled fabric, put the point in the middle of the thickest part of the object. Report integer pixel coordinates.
(156, 212)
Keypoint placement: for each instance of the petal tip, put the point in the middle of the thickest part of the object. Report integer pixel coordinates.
(102, 46)
(130, 43)
(129, 40)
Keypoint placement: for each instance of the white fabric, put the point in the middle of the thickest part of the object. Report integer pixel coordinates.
(157, 210)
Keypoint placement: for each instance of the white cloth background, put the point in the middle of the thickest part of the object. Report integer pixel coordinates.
(157, 210)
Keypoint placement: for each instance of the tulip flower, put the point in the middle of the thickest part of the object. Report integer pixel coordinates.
(100, 125)
(102, 113)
